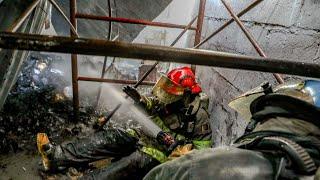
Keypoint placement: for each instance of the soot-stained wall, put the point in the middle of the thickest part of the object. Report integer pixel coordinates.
(287, 29)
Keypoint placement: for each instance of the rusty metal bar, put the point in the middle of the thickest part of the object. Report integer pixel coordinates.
(202, 6)
(74, 62)
(250, 37)
(247, 9)
(131, 21)
(115, 81)
(160, 53)
(197, 38)
(73, 29)
(15, 26)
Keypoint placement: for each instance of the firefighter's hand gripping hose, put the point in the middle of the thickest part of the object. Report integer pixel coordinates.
(168, 141)
(132, 93)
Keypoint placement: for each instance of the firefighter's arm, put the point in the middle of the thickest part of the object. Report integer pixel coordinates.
(150, 103)
(202, 144)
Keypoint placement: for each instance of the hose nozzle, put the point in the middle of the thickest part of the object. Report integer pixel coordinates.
(166, 139)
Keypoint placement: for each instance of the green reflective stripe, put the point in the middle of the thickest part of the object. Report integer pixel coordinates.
(132, 133)
(160, 123)
(149, 102)
(179, 137)
(202, 144)
(155, 153)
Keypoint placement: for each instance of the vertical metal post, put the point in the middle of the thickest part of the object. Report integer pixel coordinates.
(197, 38)
(74, 63)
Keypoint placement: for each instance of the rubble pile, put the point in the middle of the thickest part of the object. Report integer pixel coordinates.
(39, 102)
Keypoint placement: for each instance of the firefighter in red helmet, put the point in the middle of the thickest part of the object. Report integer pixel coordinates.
(177, 105)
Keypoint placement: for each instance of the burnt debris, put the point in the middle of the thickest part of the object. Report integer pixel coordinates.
(39, 102)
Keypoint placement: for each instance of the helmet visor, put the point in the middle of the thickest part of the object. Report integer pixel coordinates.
(167, 91)
(308, 91)
(242, 103)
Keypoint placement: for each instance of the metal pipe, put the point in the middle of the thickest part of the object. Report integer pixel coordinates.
(202, 6)
(16, 25)
(247, 9)
(160, 53)
(73, 29)
(115, 81)
(109, 116)
(197, 38)
(105, 58)
(74, 62)
(131, 21)
(250, 37)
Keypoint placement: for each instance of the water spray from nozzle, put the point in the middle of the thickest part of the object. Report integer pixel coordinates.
(149, 127)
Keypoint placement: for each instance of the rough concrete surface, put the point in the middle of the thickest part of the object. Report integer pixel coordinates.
(287, 29)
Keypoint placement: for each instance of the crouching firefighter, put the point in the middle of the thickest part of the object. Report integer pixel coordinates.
(177, 106)
(281, 141)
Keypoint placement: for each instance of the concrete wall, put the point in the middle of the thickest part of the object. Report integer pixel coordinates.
(287, 29)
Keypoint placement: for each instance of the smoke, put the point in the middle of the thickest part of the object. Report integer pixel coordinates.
(130, 110)
(90, 66)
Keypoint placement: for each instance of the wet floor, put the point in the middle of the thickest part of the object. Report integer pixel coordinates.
(19, 166)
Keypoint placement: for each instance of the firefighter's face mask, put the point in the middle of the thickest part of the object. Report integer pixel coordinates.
(308, 91)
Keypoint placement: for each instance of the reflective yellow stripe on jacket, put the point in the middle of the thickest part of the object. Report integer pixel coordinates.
(155, 153)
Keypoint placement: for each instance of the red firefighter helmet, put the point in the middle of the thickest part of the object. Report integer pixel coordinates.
(171, 87)
(183, 77)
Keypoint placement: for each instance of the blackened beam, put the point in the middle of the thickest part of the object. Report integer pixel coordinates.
(115, 81)
(159, 53)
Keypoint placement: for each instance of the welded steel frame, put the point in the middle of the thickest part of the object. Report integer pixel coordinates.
(74, 62)
(73, 18)
(197, 43)
(197, 37)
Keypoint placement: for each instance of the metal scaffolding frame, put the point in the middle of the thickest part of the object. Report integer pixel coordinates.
(74, 15)
(159, 53)
(76, 45)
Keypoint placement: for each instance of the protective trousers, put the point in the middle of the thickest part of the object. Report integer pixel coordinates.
(130, 162)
